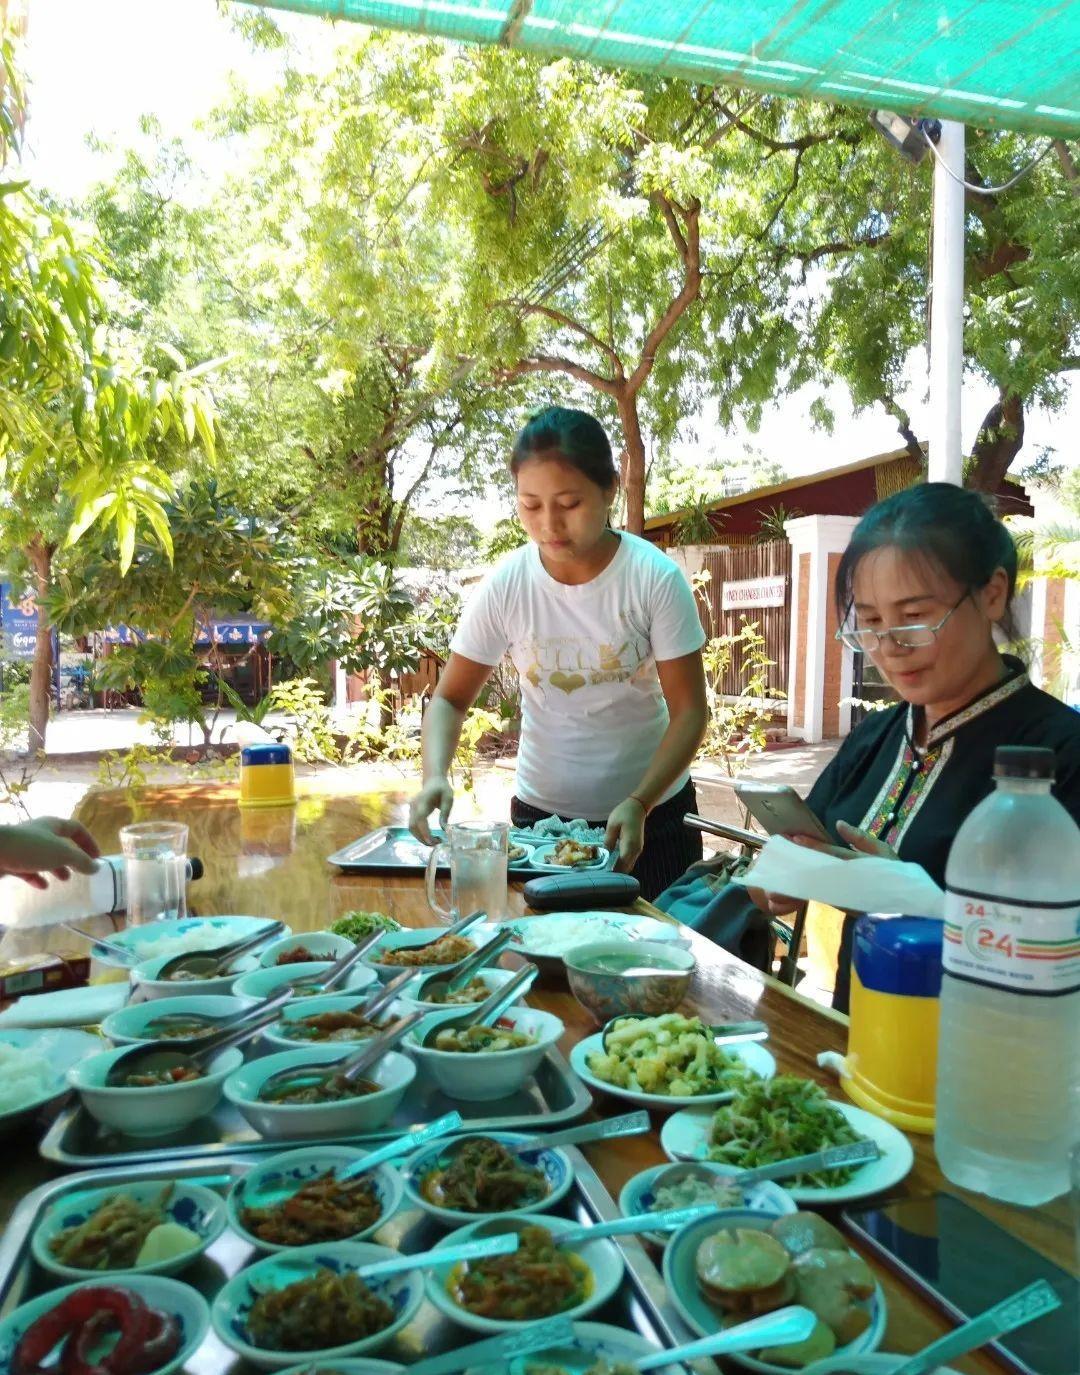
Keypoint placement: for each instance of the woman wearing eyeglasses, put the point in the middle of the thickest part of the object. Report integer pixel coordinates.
(926, 580)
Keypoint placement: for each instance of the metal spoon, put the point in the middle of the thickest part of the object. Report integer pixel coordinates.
(318, 1072)
(208, 964)
(833, 1158)
(457, 928)
(1021, 1308)
(121, 952)
(435, 987)
(487, 1012)
(153, 1057)
(328, 978)
(207, 1023)
(727, 1033)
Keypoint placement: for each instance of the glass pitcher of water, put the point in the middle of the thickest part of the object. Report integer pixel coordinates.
(476, 852)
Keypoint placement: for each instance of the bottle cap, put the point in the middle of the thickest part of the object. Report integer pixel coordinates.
(196, 866)
(1023, 761)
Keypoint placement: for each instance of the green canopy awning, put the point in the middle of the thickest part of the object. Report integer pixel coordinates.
(997, 63)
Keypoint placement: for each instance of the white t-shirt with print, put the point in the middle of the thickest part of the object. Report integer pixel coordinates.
(592, 709)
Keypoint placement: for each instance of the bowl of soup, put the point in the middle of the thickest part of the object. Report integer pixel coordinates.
(611, 978)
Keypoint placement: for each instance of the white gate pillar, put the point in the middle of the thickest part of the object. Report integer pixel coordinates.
(821, 667)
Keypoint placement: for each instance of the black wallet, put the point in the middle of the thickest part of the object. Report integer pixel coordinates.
(579, 892)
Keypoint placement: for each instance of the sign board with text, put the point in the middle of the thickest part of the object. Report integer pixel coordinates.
(19, 619)
(754, 593)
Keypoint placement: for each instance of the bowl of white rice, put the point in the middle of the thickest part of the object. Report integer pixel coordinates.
(33, 1069)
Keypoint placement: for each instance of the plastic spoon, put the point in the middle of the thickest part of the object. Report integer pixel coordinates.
(500, 1351)
(435, 987)
(153, 1057)
(404, 1145)
(490, 1010)
(833, 1158)
(668, 1221)
(505, 1244)
(209, 964)
(630, 1124)
(728, 1033)
(318, 1073)
(1023, 1307)
(785, 1326)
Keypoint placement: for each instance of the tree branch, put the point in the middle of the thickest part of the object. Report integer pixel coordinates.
(796, 145)
(568, 322)
(903, 424)
(691, 288)
(550, 363)
(667, 210)
(1068, 166)
(406, 501)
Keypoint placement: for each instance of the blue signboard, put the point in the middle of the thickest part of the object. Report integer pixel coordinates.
(19, 617)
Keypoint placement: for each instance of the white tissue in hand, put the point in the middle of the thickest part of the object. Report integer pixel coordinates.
(863, 884)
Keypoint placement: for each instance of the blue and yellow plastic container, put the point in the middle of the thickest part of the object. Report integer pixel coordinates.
(266, 776)
(891, 1064)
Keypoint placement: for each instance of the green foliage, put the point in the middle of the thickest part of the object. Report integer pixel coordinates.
(696, 524)
(505, 536)
(307, 715)
(130, 769)
(443, 543)
(773, 524)
(17, 771)
(736, 726)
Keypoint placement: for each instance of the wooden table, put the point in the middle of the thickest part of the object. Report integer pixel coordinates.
(273, 863)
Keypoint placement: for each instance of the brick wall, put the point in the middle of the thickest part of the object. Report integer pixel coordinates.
(834, 657)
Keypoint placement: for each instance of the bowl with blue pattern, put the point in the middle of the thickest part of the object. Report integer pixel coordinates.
(638, 1195)
(171, 1297)
(593, 1342)
(188, 1205)
(276, 1278)
(420, 1175)
(272, 1182)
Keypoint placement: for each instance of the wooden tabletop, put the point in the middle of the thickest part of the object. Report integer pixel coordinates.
(273, 863)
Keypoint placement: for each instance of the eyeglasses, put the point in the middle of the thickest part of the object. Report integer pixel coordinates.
(902, 636)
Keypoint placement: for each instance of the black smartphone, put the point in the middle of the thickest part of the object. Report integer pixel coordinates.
(964, 1263)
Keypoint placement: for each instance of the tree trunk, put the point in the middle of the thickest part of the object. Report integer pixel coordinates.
(633, 463)
(1000, 439)
(40, 555)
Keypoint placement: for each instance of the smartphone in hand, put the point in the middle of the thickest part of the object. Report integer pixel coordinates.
(779, 810)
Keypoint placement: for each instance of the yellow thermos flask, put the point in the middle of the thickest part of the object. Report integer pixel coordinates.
(891, 1064)
(266, 776)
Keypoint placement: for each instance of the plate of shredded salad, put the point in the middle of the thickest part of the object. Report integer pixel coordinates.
(775, 1119)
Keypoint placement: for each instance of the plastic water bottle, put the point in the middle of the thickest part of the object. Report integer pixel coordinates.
(80, 895)
(1008, 1092)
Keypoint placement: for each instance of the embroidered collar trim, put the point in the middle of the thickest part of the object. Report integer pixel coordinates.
(979, 707)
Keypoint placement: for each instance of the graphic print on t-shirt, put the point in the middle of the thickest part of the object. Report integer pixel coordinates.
(569, 662)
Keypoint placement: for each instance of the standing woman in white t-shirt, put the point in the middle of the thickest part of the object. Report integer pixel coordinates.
(607, 640)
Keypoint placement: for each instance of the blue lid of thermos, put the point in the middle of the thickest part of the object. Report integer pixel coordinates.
(265, 754)
(899, 954)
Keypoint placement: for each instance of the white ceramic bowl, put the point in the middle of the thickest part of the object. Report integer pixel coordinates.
(484, 1075)
(637, 1196)
(492, 978)
(191, 1205)
(60, 1048)
(553, 1164)
(394, 1072)
(408, 939)
(263, 983)
(703, 1319)
(168, 1295)
(273, 1181)
(155, 1111)
(295, 1011)
(144, 978)
(323, 944)
(602, 1257)
(403, 1292)
(126, 1027)
(593, 1342)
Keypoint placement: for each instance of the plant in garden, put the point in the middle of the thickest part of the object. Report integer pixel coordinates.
(773, 524)
(307, 715)
(696, 524)
(736, 725)
(17, 769)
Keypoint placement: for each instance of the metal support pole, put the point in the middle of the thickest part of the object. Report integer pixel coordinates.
(947, 309)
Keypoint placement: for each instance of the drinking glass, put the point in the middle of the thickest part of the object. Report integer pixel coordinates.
(155, 870)
(476, 852)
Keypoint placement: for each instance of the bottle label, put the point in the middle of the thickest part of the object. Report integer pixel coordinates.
(1015, 945)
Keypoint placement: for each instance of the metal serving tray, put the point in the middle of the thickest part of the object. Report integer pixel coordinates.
(555, 1095)
(389, 850)
(641, 1305)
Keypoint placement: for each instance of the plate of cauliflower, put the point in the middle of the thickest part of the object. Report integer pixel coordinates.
(668, 1061)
